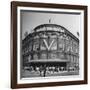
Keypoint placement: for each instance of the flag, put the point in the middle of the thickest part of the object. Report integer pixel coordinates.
(49, 20)
(78, 33)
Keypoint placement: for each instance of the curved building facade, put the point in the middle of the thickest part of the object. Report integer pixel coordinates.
(51, 45)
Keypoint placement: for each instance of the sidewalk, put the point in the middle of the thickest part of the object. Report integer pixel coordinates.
(27, 73)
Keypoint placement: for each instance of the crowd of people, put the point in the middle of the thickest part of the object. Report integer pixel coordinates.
(43, 69)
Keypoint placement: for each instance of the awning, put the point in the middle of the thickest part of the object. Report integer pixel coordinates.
(48, 60)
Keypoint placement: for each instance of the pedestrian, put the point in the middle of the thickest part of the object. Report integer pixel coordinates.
(40, 70)
(44, 70)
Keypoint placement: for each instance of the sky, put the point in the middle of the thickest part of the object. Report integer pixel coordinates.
(29, 20)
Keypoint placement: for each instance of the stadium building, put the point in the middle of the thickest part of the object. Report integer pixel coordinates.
(51, 45)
